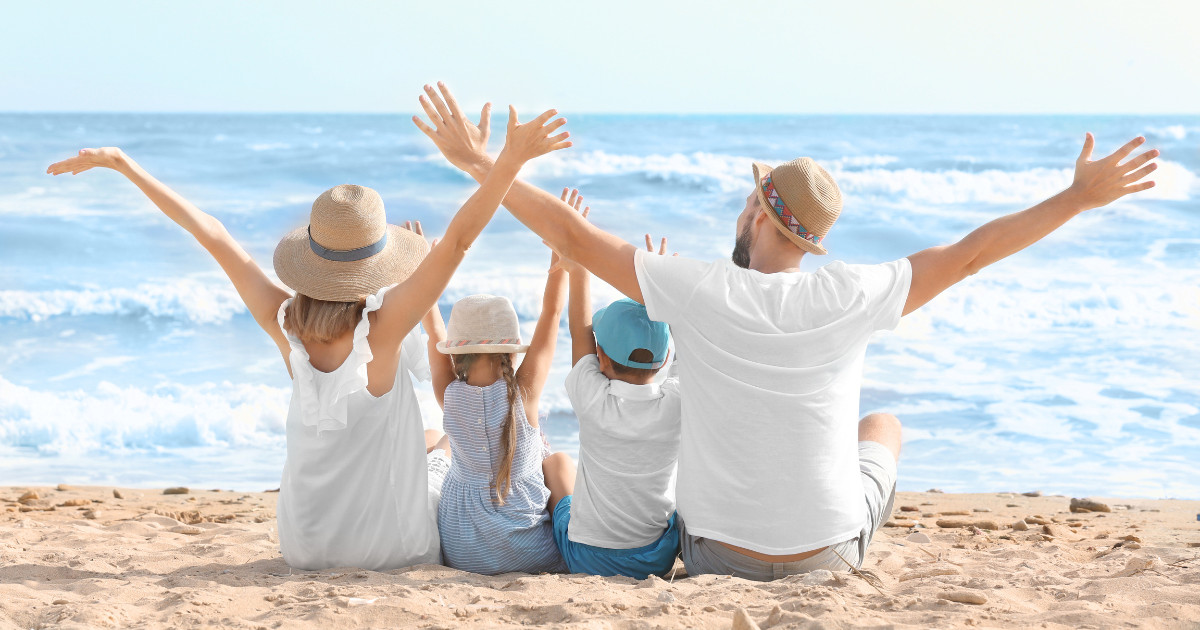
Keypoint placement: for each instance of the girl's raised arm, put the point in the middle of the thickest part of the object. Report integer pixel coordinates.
(409, 301)
(535, 367)
(440, 367)
(261, 295)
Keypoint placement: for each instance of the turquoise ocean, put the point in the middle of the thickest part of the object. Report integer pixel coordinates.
(126, 357)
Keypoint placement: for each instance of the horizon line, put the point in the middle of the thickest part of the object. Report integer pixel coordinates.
(580, 113)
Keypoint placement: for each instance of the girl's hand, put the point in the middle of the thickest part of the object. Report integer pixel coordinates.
(106, 157)
(572, 198)
(529, 140)
(415, 226)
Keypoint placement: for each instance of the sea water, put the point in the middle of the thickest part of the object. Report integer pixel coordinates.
(1071, 367)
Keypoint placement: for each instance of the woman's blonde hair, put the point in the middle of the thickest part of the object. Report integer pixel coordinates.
(319, 321)
(502, 483)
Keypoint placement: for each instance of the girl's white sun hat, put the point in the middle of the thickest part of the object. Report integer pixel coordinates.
(482, 324)
(348, 250)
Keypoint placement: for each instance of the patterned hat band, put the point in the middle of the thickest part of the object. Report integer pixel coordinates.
(785, 215)
(483, 342)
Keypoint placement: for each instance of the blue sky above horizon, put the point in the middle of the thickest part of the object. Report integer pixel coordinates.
(753, 56)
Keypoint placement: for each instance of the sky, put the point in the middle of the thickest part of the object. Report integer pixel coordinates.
(617, 56)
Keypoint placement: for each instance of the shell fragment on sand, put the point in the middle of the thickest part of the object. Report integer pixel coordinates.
(1088, 505)
(179, 490)
(965, 597)
(956, 523)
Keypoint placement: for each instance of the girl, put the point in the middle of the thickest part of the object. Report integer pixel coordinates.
(357, 489)
(493, 515)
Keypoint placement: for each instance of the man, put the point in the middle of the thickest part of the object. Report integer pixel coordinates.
(770, 481)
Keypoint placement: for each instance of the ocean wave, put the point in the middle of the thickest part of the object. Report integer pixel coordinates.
(163, 417)
(1170, 132)
(168, 416)
(1013, 302)
(184, 299)
(858, 176)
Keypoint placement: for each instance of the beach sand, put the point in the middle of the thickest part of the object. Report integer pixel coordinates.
(81, 557)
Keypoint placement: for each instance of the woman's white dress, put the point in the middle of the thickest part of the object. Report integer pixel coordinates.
(357, 489)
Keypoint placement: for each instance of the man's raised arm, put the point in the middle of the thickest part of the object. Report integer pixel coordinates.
(465, 145)
(1096, 184)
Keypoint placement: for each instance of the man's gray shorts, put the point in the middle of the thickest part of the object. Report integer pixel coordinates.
(878, 468)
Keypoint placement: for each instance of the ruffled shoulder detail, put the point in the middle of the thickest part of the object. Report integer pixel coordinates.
(325, 397)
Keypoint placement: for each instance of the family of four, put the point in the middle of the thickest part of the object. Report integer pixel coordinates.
(749, 458)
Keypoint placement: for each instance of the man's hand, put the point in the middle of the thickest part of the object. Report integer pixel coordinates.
(1096, 184)
(461, 141)
(1104, 181)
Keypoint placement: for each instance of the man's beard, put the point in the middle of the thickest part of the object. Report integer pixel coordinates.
(741, 249)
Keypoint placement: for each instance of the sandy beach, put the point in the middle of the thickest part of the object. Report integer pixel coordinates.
(88, 557)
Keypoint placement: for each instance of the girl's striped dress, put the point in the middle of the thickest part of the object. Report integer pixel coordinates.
(477, 534)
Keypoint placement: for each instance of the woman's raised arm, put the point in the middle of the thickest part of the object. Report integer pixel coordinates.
(260, 294)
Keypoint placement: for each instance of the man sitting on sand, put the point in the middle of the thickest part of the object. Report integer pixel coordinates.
(775, 477)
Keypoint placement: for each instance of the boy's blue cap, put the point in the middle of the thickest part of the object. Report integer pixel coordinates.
(623, 326)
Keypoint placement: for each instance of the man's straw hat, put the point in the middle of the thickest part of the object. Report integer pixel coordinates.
(348, 251)
(802, 200)
(482, 324)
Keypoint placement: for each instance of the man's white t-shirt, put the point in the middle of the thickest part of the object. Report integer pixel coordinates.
(768, 454)
(628, 448)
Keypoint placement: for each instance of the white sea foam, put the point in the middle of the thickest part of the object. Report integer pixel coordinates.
(1172, 132)
(184, 299)
(856, 175)
(170, 416)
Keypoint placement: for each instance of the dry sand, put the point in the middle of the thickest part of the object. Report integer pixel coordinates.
(211, 558)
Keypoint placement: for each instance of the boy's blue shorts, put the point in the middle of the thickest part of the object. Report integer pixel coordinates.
(657, 558)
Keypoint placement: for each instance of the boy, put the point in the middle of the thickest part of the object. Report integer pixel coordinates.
(621, 519)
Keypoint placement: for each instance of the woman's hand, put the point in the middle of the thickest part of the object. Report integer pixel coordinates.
(529, 140)
(106, 157)
(572, 198)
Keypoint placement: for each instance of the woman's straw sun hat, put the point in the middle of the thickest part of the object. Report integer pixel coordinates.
(482, 324)
(802, 200)
(348, 251)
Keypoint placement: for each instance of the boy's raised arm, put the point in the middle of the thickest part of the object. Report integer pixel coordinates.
(604, 254)
(579, 305)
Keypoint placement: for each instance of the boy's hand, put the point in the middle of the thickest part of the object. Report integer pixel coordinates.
(529, 140)
(1104, 181)
(662, 247)
(461, 141)
(106, 157)
(572, 198)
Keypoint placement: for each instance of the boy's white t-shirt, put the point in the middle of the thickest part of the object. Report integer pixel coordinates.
(628, 449)
(768, 455)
